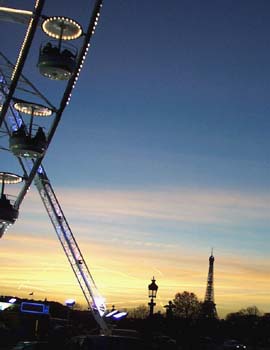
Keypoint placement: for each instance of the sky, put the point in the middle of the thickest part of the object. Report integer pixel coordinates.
(161, 156)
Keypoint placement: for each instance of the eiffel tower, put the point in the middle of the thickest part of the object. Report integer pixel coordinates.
(209, 307)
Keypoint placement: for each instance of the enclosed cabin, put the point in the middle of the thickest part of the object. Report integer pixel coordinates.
(29, 141)
(8, 212)
(57, 59)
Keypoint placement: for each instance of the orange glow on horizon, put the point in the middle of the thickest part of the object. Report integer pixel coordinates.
(123, 259)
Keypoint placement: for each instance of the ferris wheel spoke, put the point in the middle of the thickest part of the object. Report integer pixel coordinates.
(32, 26)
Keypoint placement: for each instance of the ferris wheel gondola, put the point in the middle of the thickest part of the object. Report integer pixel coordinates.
(57, 61)
(23, 142)
(8, 213)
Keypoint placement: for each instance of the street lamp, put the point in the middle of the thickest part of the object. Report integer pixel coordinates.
(152, 293)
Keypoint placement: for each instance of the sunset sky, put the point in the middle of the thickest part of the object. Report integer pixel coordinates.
(161, 155)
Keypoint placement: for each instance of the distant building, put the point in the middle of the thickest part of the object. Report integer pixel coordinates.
(209, 307)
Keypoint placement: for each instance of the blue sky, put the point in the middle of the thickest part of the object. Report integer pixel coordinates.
(180, 93)
(164, 146)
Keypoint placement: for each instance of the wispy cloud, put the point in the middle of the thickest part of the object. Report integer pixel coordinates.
(176, 204)
(129, 236)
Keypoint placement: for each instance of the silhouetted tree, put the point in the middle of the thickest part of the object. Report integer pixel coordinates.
(250, 311)
(141, 312)
(187, 305)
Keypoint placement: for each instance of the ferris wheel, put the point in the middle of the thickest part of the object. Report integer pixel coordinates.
(29, 119)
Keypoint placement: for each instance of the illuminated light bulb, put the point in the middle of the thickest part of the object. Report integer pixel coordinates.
(22, 48)
(49, 29)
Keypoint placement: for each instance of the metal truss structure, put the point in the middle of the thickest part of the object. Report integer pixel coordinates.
(14, 86)
(209, 306)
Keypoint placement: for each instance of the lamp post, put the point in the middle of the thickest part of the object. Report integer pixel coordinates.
(152, 293)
